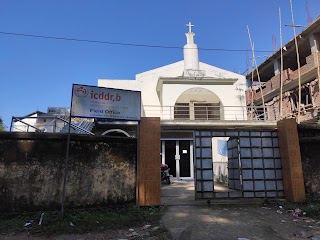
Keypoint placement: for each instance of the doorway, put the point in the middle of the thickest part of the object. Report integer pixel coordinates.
(178, 155)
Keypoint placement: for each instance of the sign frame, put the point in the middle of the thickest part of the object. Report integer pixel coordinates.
(112, 103)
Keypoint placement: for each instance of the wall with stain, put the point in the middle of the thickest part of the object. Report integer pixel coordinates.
(309, 138)
(310, 153)
(101, 170)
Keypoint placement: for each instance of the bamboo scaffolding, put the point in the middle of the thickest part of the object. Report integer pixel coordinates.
(281, 65)
(316, 55)
(252, 94)
(251, 89)
(298, 60)
(258, 75)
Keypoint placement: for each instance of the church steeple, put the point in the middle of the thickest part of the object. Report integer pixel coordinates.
(190, 52)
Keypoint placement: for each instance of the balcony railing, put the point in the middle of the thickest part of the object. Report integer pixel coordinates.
(182, 112)
(207, 113)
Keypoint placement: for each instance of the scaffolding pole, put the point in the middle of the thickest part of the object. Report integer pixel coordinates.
(298, 60)
(258, 75)
(281, 65)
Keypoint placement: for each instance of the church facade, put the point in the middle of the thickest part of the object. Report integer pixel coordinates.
(186, 96)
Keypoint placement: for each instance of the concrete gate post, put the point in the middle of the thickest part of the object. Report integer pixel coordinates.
(148, 173)
(293, 181)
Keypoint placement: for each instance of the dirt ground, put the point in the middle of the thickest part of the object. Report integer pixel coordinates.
(232, 222)
(186, 218)
(209, 222)
(149, 233)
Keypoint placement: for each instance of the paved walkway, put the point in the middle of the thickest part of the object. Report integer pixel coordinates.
(187, 218)
(178, 193)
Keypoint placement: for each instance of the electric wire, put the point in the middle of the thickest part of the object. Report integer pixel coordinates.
(124, 44)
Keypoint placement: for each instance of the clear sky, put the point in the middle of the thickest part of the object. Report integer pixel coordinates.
(36, 73)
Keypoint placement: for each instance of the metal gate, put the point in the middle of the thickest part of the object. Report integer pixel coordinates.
(254, 165)
(234, 174)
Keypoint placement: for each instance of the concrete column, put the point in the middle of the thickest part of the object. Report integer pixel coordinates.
(314, 43)
(293, 180)
(276, 66)
(191, 110)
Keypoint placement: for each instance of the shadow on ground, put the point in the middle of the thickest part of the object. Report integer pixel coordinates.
(187, 218)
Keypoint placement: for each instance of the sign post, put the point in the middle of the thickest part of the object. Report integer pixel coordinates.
(66, 167)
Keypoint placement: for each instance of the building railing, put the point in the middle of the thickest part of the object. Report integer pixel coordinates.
(207, 113)
(53, 124)
(181, 112)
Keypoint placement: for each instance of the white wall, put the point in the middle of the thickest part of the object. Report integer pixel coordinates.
(149, 81)
(121, 84)
(21, 127)
(146, 82)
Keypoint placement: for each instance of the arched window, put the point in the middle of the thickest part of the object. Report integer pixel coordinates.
(198, 104)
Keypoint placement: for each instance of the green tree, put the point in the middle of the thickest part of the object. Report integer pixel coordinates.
(2, 127)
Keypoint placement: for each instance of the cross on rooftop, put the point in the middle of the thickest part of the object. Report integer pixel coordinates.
(190, 26)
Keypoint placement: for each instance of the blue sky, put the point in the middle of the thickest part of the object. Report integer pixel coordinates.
(37, 73)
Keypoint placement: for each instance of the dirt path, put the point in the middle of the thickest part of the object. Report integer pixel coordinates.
(187, 218)
(211, 222)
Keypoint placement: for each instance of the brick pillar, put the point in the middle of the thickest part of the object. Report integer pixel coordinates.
(148, 183)
(293, 180)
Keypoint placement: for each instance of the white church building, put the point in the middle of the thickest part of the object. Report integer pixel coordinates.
(187, 95)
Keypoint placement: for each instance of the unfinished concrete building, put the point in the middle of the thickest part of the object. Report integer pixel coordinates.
(264, 101)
